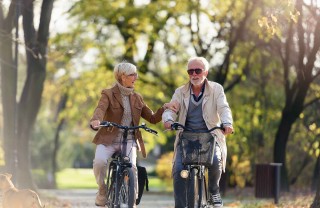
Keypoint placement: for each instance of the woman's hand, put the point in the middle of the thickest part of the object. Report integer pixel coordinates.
(95, 124)
(174, 106)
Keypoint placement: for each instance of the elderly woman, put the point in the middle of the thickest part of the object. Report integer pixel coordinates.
(119, 104)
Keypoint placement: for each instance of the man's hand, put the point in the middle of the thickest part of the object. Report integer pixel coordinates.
(228, 129)
(167, 124)
(95, 124)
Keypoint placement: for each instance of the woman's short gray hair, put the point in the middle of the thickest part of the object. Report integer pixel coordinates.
(123, 68)
(202, 59)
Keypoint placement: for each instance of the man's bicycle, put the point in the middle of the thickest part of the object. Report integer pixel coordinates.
(197, 150)
(120, 180)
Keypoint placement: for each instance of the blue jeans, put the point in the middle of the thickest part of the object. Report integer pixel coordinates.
(180, 184)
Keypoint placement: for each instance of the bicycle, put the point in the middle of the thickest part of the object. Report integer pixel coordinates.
(197, 149)
(120, 180)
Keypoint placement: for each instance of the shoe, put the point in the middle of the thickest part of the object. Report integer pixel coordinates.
(101, 198)
(215, 200)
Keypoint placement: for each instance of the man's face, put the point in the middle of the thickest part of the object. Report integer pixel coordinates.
(196, 72)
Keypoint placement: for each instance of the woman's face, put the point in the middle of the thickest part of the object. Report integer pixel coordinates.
(129, 80)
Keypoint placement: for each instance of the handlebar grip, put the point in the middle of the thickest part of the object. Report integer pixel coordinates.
(153, 131)
(105, 123)
(174, 126)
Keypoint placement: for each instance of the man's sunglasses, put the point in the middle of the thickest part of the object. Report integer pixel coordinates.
(197, 71)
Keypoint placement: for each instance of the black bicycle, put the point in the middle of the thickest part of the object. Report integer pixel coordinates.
(197, 149)
(120, 179)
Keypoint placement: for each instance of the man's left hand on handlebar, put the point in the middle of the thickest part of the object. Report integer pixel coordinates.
(228, 129)
(168, 124)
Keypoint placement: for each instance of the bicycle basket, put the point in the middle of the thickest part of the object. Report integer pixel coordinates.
(197, 148)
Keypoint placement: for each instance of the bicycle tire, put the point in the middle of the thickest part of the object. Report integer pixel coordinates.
(203, 192)
(111, 190)
(193, 189)
(126, 191)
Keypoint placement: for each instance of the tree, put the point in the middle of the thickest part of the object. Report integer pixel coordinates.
(298, 53)
(25, 109)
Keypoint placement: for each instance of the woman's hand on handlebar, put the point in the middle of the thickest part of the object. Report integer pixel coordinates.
(95, 124)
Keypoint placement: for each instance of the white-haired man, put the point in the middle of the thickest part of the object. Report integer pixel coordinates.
(202, 105)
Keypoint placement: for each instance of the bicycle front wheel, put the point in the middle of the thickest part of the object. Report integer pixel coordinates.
(193, 189)
(111, 187)
(127, 195)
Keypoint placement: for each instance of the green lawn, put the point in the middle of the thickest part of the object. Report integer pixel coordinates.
(84, 179)
(76, 179)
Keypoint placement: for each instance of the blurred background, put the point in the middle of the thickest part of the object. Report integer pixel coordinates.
(57, 56)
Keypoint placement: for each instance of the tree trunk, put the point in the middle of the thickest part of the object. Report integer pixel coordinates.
(289, 116)
(30, 101)
(8, 89)
(61, 122)
(316, 201)
(55, 152)
(280, 149)
(316, 175)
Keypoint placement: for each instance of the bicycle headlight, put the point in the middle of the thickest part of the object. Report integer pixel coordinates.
(184, 174)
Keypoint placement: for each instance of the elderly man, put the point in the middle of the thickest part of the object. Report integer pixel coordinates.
(202, 105)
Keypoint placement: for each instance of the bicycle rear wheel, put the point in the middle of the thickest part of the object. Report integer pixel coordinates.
(127, 195)
(193, 189)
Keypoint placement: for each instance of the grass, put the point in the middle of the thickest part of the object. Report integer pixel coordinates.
(84, 179)
(76, 179)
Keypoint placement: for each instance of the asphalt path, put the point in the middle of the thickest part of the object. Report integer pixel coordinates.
(85, 198)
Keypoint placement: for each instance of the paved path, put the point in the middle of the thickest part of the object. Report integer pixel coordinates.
(85, 198)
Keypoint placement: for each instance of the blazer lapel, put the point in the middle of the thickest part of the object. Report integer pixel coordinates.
(117, 95)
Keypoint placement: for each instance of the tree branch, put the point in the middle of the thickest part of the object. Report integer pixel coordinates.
(311, 102)
(45, 18)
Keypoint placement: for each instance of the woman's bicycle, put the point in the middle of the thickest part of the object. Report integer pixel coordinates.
(120, 180)
(197, 150)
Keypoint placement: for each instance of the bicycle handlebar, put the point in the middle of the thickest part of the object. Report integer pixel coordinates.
(178, 126)
(127, 128)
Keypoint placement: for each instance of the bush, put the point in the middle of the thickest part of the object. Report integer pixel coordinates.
(164, 168)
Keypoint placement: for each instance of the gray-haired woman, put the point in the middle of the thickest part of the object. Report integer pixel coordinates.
(119, 104)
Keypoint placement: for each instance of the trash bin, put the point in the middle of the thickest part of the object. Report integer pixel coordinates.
(267, 181)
